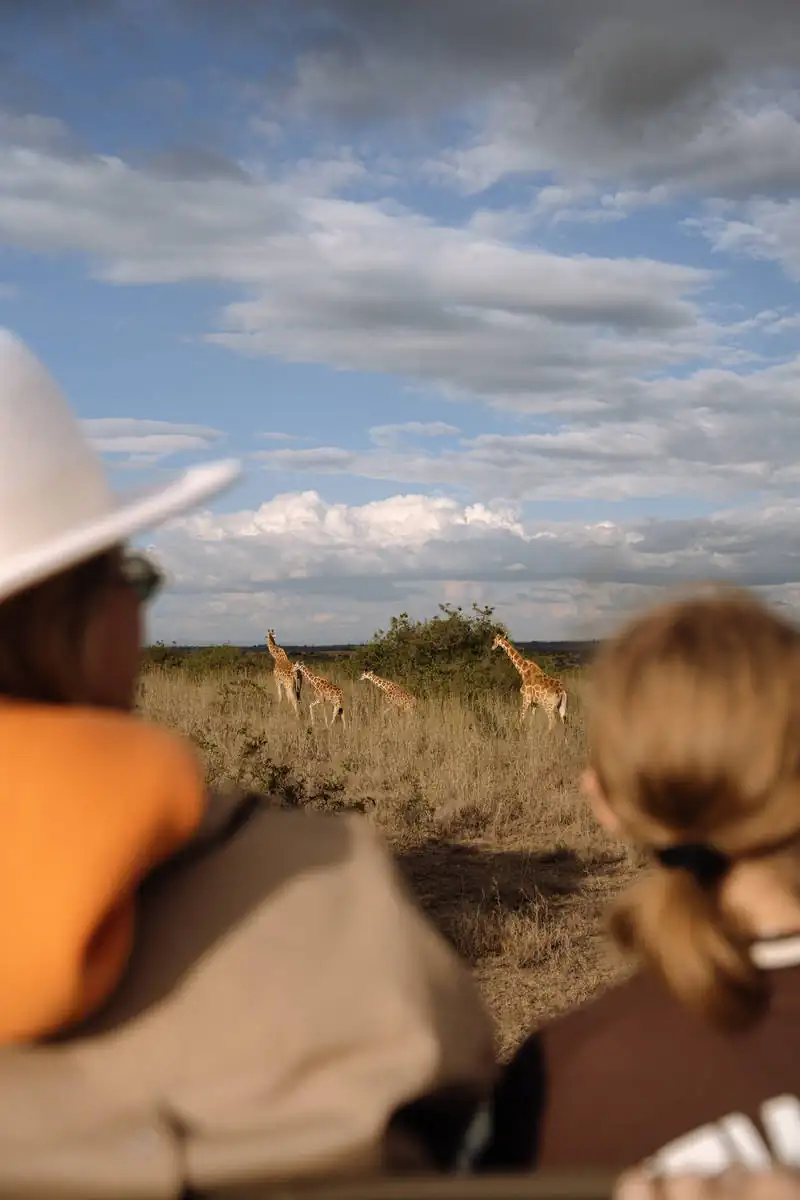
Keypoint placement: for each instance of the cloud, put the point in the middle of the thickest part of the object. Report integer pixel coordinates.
(762, 228)
(470, 316)
(363, 285)
(296, 554)
(147, 441)
(702, 435)
(193, 163)
(733, 151)
(428, 53)
(699, 94)
(621, 376)
(389, 435)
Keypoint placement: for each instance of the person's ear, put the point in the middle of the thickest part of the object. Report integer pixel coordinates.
(603, 813)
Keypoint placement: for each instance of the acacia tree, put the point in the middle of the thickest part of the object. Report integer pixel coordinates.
(451, 650)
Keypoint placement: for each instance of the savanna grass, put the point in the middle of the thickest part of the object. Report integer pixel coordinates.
(483, 814)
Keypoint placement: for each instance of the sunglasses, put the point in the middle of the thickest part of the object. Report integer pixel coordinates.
(137, 572)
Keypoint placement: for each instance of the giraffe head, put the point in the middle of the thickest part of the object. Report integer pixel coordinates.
(498, 641)
(366, 674)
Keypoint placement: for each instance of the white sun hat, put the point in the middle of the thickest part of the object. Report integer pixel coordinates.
(56, 506)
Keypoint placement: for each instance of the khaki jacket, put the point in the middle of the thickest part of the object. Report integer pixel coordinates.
(284, 999)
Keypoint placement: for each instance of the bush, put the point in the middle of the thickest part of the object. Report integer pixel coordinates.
(202, 660)
(449, 652)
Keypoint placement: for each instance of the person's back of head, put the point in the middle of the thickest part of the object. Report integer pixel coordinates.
(73, 639)
(70, 594)
(695, 756)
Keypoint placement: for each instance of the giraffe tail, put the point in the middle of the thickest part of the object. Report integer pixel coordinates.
(562, 705)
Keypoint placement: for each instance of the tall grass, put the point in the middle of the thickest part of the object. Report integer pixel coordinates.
(483, 813)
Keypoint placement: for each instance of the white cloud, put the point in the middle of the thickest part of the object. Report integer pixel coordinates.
(297, 554)
(144, 441)
(704, 435)
(701, 95)
(617, 377)
(738, 148)
(762, 228)
(389, 435)
(367, 286)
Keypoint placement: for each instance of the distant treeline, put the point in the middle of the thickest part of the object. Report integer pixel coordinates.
(579, 652)
(451, 650)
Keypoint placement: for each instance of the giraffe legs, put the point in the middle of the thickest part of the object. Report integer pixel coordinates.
(284, 688)
(337, 713)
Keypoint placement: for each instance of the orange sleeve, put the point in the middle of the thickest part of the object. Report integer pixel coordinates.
(74, 845)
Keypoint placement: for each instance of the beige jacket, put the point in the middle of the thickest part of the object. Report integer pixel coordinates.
(284, 998)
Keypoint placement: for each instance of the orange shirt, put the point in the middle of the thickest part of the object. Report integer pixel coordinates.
(90, 802)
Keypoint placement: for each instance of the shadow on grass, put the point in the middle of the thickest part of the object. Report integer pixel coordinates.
(494, 903)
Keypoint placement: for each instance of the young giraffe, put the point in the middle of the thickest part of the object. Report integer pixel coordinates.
(397, 696)
(325, 692)
(286, 681)
(537, 687)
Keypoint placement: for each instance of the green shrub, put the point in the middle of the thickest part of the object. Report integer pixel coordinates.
(451, 651)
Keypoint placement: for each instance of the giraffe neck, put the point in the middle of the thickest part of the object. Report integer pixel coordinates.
(525, 666)
(383, 684)
(514, 655)
(277, 652)
(316, 681)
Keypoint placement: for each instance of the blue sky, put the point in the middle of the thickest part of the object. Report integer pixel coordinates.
(497, 302)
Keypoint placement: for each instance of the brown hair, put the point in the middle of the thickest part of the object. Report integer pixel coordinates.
(43, 634)
(695, 737)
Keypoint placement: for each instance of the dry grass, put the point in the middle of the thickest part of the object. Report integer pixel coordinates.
(484, 816)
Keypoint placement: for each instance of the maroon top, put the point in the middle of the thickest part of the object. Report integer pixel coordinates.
(628, 1074)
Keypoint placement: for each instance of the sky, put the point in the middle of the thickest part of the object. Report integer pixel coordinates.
(497, 301)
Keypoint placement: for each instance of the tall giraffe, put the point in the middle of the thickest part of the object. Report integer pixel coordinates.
(286, 681)
(537, 687)
(397, 696)
(325, 693)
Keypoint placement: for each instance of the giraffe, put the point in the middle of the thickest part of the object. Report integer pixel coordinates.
(286, 681)
(537, 687)
(325, 693)
(397, 696)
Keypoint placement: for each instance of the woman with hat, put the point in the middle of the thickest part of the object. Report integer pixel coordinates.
(195, 991)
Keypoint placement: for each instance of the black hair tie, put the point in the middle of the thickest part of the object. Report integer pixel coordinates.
(703, 862)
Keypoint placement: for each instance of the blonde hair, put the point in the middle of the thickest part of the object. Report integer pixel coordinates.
(695, 738)
(43, 633)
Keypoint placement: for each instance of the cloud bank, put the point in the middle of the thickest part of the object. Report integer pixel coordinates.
(572, 229)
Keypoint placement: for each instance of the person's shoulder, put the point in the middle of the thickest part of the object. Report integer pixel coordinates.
(94, 740)
(618, 1015)
(561, 1048)
(346, 842)
(635, 996)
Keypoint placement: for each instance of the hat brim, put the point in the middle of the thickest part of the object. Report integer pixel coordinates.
(131, 513)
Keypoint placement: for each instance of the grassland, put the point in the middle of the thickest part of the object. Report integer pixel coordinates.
(484, 817)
